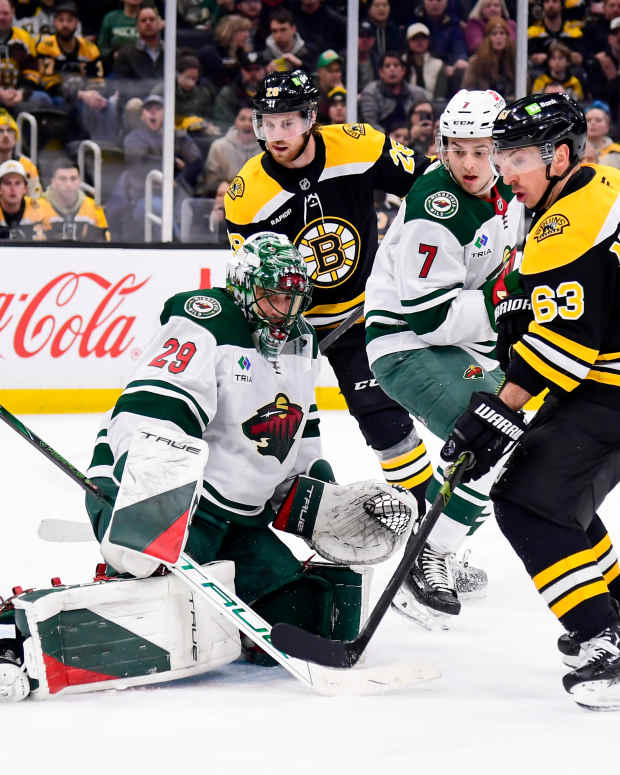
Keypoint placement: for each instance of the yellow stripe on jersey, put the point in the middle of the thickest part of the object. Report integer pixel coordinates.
(412, 481)
(250, 190)
(553, 375)
(577, 596)
(604, 377)
(602, 546)
(339, 150)
(612, 573)
(563, 566)
(408, 469)
(343, 306)
(402, 460)
(608, 357)
(573, 348)
(562, 234)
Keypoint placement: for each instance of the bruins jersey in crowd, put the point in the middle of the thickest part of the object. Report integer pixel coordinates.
(32, 174)
(326, 208)
(55, 65)
(28, 224)
(18, 63)
(571, 269)
(87, 223)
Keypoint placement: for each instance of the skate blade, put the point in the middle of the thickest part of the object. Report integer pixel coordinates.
(597, 695)
(424, 617)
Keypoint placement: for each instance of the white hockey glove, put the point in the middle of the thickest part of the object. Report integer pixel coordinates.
(357, 524)
(156, 501)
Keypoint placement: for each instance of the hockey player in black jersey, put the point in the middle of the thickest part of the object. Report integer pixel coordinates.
(315, 184)
(568, 459)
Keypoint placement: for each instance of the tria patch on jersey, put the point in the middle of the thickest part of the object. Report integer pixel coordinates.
(441, 204)
(202, 307)
(551, 226)
(473, 372)
(274, 426)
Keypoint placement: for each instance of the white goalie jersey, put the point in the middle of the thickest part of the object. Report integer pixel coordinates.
(202, 375)
(425, 287)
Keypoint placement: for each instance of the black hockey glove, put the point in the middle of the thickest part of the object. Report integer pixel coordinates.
(512, 318)
(486, 429)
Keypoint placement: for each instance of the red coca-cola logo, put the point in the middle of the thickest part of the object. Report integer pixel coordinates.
(46, 323)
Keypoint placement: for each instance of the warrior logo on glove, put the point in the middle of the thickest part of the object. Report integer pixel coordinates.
(274, 426)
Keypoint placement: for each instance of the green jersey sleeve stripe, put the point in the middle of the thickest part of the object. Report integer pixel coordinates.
(233, 505)
(429, 320)
(156, 383)
(433, 298)
(375, 330)
(102, 455)
(160, 407)
(311, 430)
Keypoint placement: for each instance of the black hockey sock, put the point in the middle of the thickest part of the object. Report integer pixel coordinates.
(563, 567)
(605, 555)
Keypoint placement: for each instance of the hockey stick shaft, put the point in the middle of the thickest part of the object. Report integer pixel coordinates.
(231, 606)
(334, 653)
(342, 328)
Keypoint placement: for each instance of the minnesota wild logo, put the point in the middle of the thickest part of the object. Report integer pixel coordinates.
(274, 426)
(441, 204)
(473, 372)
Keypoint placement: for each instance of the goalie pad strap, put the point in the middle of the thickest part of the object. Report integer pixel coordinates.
(299, 511)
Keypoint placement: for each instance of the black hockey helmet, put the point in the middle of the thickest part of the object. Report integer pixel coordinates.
(544, 120)
(286, 92)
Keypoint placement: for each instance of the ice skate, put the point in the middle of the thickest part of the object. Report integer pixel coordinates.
(428, 596)
(14, 684)
(595, 683)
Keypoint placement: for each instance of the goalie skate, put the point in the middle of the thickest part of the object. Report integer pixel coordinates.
(428, 596)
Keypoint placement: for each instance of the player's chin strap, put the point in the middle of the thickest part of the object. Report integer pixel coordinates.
(553, 179)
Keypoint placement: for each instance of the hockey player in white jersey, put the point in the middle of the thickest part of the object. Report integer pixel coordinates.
(430, 332)
(233, 370)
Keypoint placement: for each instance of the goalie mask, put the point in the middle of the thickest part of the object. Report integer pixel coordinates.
(269, 281)
(468, 116)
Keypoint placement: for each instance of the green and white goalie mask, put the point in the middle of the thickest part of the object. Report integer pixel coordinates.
(469, 115)
(269, 281)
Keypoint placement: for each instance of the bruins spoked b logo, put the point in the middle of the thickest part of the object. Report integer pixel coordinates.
(331, 249)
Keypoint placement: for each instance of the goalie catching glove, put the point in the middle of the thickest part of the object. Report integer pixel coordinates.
(357, 524)
(487, 429)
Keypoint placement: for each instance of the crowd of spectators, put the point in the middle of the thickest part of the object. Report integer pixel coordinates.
(95, 71)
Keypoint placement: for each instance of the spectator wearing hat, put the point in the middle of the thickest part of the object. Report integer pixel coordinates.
(388, 36)
(447, 41)
(9, 133)
(228, 154)
(20, 76)
(42, 20)
(367, 57)
(389, 99)
(477, 20)
(328, 76)
(315, 20)
(337, 102)
(242, 90)
(423, 69)
(117, 29)
(285, 49)
(21, 217)
(604, 72)
(599, 126)
(493, 65)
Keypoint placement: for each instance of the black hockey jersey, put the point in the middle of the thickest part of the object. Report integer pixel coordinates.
(571, 269)
(326, 208)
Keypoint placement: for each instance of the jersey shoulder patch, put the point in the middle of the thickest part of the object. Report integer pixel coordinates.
(213, 309)
(351, 144)
(570, 228)
(250, 190)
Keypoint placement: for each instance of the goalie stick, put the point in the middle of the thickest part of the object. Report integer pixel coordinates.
(370, 680)
(338, 653)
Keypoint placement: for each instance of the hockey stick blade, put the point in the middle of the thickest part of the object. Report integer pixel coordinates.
(336, 653)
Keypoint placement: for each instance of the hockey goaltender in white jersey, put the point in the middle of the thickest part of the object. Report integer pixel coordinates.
(231, 371)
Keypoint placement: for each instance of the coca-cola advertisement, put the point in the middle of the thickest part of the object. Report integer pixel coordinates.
(80, 318)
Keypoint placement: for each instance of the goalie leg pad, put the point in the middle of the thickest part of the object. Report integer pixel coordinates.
(122, 633)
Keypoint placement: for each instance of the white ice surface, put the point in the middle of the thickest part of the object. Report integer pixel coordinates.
(499, 707)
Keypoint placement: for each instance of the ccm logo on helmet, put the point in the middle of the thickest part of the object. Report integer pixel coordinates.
(491, 417)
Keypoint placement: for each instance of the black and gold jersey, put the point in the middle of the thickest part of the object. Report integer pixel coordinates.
(55, 64)
(326, 208)
(571, 270)
(26, 225)
(87, 224)
(18, 64)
